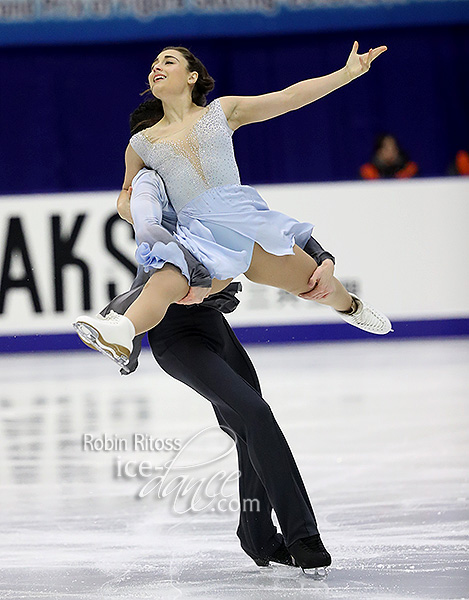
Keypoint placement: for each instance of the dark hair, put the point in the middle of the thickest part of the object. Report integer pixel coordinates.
(145, 115)
(151, 111)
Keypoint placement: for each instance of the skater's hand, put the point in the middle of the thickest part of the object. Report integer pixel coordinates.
(358, 64)
(321, 283)
(123, 205)
(195, 295)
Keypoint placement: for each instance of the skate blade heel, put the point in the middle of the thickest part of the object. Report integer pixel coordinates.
(93, 340)
(262, 563)
(316, 573)
(265, 567)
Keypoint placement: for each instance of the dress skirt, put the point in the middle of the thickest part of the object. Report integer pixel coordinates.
(219, 228)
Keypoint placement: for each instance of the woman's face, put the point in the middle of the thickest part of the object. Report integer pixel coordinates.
(169, 74)
(389, 152)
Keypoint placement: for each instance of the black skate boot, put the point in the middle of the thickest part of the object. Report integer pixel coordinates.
(281, 556)
(309, 554)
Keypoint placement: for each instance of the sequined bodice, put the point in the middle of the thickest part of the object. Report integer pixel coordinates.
(202, 159)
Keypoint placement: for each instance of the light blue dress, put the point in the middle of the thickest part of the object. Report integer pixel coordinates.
(218, 219)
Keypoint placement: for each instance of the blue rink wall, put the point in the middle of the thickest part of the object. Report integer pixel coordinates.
(275, 334)
(401, 245)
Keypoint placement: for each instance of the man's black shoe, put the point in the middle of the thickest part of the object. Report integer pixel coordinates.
(281, 556)
(309, 554)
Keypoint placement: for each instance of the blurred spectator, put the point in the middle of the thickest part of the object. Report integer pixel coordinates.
(460, 165)
(388, 160)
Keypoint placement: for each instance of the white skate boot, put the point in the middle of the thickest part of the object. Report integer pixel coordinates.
(111, 335)
(367, 318)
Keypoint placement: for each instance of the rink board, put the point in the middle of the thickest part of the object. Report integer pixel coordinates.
(402, 245)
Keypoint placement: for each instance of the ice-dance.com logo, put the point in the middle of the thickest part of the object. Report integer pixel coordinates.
(192, 484)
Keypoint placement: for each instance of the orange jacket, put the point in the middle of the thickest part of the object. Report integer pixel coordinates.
(370, 171)
(462, 162)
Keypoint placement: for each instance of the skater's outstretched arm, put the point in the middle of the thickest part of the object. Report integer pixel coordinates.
(241, 110)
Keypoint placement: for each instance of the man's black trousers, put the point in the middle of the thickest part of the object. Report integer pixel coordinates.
(197, 346)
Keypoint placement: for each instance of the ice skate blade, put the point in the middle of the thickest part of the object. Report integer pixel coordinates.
(317, 573)
(92, 339)
(265, 564)
(274, 567)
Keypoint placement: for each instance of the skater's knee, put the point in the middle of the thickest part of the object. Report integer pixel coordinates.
(168, 284)
(302, 283)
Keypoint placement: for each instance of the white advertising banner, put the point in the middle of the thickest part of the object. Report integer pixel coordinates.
(402, 245)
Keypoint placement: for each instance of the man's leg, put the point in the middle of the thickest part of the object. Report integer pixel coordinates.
(250, 417)
(254, 528)
(256, 531)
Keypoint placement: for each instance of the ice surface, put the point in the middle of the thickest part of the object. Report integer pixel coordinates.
(380, 432)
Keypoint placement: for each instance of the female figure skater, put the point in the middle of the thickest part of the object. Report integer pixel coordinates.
(225, 225)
